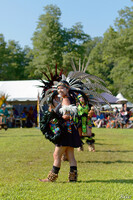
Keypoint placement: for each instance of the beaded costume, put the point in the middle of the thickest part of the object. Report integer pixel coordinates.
(78, 82)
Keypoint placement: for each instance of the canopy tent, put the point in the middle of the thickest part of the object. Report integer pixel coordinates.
(109, 97)
(129, 104)
(26, 90)
(21, 92)
(121, 99)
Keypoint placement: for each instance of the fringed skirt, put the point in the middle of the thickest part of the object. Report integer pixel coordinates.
(70, 138)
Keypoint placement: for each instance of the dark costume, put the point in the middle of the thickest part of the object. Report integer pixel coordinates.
(70, 135)
(62, 132)
(58, 130)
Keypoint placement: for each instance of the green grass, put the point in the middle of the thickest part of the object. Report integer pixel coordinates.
(26, 156)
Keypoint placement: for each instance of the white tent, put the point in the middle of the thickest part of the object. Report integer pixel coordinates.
(129, 104)
(121, 99)
(21, 91)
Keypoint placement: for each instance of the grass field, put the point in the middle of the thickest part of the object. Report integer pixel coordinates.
(26, 156)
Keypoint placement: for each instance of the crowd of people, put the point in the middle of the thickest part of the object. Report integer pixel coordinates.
(114, 119)
(11, 118)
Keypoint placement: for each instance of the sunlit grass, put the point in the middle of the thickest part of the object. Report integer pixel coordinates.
(26, 156)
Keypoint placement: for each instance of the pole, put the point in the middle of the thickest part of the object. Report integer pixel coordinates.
(38, 111)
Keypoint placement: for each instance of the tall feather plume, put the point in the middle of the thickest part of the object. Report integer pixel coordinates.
(51, 74)
(91, 83)
(73, 65)
(86, 65)
(49, 83)
(46, 76)
(79, 64)
(83, 65)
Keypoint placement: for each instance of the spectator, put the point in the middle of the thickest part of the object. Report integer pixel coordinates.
(110, 121)
(100, 120)
(30, 118)
(35, 115)
(24, 117)
(125, 115)
(116, 112)
(15, 113)
(116, 115)
(4, 114)
(11, 121)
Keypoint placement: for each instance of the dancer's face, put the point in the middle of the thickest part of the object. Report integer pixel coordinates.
(62, 91)
(82, 100)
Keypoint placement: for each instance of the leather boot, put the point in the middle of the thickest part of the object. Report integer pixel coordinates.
(51, 177)
(73, 176)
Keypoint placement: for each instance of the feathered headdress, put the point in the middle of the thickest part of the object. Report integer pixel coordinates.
(48, 84)
(91, 84)
(79, 82)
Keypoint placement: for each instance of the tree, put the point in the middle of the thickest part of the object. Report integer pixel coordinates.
(111, 59)
(47, 42)
(74, 44)
(53, 44)
(3, 56)
(121, 53)
(13, 60)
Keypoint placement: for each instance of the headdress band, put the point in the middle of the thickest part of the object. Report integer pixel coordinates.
(63, 84)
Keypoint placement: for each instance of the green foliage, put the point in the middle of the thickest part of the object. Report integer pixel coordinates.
(3, 55)
(26, 156)
(13, 60)
(74, 45)
(53, 44)
(47, 42)
(111, 59)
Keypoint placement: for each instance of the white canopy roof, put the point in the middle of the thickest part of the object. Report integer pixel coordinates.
(26, 90)
(121, 98)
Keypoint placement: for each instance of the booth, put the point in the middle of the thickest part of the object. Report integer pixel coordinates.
(20, 94)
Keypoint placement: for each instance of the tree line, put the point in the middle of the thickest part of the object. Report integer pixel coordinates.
(110, 57)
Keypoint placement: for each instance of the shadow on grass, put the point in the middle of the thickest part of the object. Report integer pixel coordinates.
(110, 151)
(21, 136)
(106, 162)
(104, 144)
(128, 181)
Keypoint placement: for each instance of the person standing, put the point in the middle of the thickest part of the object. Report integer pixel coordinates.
(69, 140)
(84, 123)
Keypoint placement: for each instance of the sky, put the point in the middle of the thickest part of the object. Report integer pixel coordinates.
(19, 18)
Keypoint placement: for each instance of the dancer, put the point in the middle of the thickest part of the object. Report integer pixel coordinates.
(58, 125)
(69, 138)
(84, 123)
